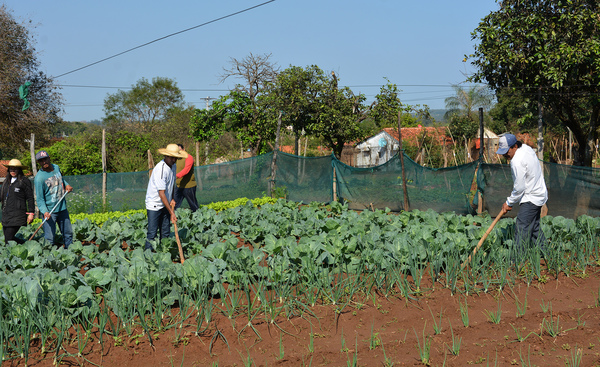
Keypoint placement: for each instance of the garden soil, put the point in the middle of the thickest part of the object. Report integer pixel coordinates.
(559, 325)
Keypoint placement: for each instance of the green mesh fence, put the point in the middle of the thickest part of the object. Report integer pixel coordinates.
(572, 190)
(446, 189)
(304, 179)
(124, 191)
(231, 180)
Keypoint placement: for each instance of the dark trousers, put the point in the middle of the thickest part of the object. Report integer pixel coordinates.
(527, 227)
(158, 221)
(186, 193)
(10, 232)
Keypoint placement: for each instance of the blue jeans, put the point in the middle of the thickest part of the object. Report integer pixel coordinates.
(186, 193)
(64, 225)
(158, 220)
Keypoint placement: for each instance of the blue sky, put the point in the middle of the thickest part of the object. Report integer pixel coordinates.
(418, 45)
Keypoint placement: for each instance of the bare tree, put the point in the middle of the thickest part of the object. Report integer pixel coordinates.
(248, 118)
(255, 70)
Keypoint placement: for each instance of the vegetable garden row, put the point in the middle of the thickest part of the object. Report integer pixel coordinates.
(267, 263)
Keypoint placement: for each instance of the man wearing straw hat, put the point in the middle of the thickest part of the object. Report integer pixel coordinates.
(50, 189)
(17, 201)
(159, 195)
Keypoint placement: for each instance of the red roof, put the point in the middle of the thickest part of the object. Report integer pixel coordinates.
(411, 134)
(286, 149)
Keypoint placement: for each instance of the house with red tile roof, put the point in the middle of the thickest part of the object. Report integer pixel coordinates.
(382, 146)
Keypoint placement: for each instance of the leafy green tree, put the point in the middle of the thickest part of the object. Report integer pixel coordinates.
(19, 65)
(143, 108)
(208, 125)
(385, 108)
(550, 47)
(127, 151)
(79, 155)
(339, 115)
(296, 92)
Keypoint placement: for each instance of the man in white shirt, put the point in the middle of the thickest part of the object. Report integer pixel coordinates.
(159, 195)
(529, 191)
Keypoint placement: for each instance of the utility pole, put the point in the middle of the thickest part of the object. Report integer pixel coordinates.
(206, 99)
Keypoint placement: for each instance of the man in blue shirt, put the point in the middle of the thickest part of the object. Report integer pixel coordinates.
(50, 188)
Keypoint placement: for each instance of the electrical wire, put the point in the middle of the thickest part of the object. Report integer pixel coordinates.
(167, 36)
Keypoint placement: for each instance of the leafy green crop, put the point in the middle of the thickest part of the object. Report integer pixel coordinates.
(301, 254)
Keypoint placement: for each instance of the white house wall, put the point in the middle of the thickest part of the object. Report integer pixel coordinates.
(376, 150)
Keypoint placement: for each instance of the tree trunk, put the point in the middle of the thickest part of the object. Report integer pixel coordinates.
(592, 135)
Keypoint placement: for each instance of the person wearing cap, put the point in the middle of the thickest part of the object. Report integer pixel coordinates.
(159, 195)
(50, 189)
(186, 181)
(529, 190)
(17, 201)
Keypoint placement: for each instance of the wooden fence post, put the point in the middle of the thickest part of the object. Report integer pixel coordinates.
(274, 160)
(103, 169)
(401, 156)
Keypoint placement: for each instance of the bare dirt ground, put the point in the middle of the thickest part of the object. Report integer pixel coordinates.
(559, 325)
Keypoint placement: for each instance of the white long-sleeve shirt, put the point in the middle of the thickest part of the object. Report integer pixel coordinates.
(528, 178)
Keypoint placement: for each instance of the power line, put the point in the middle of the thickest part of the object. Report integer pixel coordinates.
(113, 87)
(167, 36)
(411, 85)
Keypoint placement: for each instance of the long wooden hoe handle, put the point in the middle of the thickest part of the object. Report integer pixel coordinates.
(178, 241)
(489, 230)
(51, 211)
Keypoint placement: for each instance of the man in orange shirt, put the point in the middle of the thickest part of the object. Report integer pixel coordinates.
(186, 181)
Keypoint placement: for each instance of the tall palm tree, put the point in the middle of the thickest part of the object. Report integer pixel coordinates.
(467, 102)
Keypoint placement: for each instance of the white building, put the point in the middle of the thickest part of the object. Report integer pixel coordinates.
(376, 150)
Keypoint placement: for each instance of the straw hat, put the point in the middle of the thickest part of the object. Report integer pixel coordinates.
(172, 150)
(15, 163)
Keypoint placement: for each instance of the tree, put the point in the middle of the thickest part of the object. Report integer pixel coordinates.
(384, 110)
(461, 109)
(467, 102)
(248, 116)
(207, 125)
(242, 111)
(78, 155)
(18, 66)
(144, 107)
(339, 115)
(296, 92)
(550, 47)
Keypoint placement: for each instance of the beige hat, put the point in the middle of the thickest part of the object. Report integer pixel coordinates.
(172, 150)
(15, 163)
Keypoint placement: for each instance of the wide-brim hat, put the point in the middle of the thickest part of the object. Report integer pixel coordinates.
(15, 163)
(172, 150)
